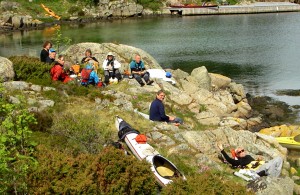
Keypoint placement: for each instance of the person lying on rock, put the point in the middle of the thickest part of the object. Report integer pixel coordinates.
(138, 71)
(111, 68)
(157, 110)
(271, 168)
(89, 58)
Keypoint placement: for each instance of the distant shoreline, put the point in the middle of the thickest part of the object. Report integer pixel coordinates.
(254, 8)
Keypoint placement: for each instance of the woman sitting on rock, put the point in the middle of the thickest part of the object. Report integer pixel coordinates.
(90, 59)
(57, 72)
(111, 68)
(45, 51)
(89, 76)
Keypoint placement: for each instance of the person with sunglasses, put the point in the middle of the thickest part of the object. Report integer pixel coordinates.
(271, 168)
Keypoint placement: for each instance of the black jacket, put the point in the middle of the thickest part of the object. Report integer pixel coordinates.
(157, 111)
(240, 161)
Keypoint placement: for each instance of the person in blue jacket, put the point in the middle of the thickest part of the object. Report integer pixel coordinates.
(138, 71)
(89, 76)
(157, 110)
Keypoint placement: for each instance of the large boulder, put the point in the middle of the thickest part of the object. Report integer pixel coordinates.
(179, 74)
(9, 5)
(123, 53)
(176, 94)
(122, 9)
(219, 81)
(255, 144)
(238, 91)
(269, 185)
(201, 78)
(6, 69)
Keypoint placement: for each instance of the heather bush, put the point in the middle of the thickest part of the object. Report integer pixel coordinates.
(109, 172)
(209, 182)
(151, 4)
(31, 69)
(84, 129)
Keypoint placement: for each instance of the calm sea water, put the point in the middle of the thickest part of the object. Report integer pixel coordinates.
(260, 51)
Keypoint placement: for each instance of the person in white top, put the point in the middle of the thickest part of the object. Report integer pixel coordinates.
(111, 68)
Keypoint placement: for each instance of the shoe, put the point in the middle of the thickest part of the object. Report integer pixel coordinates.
(149, 82)
(142, 84)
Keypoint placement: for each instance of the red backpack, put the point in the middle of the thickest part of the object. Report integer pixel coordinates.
(85, 75)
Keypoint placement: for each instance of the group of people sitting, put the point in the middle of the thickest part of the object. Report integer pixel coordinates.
(88, 74)
(111, 69)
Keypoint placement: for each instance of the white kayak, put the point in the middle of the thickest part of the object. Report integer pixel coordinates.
(163, 170)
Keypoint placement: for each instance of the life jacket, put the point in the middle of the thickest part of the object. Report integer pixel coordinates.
(233, 154)
(141, 139)
(138, 66)
(253, 165)
(85, 75)
(76, 68)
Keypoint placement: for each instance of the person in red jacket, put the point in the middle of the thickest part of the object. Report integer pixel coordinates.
(57, 71)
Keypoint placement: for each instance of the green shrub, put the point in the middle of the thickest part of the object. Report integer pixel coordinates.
(110, 172)
(151, 4)
(85, 130)
(205, 183)
(44, 121)
(16, 148)
(74, 9)
(31, 69)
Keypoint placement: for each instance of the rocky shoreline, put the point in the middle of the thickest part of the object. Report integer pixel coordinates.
(212, 100)
(13, 20)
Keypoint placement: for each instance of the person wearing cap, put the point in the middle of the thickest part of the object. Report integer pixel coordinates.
(89, 76)
(157, 110)
(111, 68)
(45, 51)
(138, 71)
(271, 168)
(51, 58)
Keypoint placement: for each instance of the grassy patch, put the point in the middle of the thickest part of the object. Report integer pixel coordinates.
(211, 182)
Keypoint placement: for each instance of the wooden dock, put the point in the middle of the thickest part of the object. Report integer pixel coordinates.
(260, 7)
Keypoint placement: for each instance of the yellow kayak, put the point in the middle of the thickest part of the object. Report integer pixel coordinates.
(50, 12)
(289, 142)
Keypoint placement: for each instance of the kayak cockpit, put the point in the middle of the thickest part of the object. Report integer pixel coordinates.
(165, 168)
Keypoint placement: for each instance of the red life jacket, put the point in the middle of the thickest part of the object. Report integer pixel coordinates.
(85, 75)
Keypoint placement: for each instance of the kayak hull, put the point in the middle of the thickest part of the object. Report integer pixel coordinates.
(289, 142)
(163, 169)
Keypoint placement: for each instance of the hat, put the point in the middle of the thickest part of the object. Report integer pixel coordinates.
(110, 54)
(52, 50)
(168, 74)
